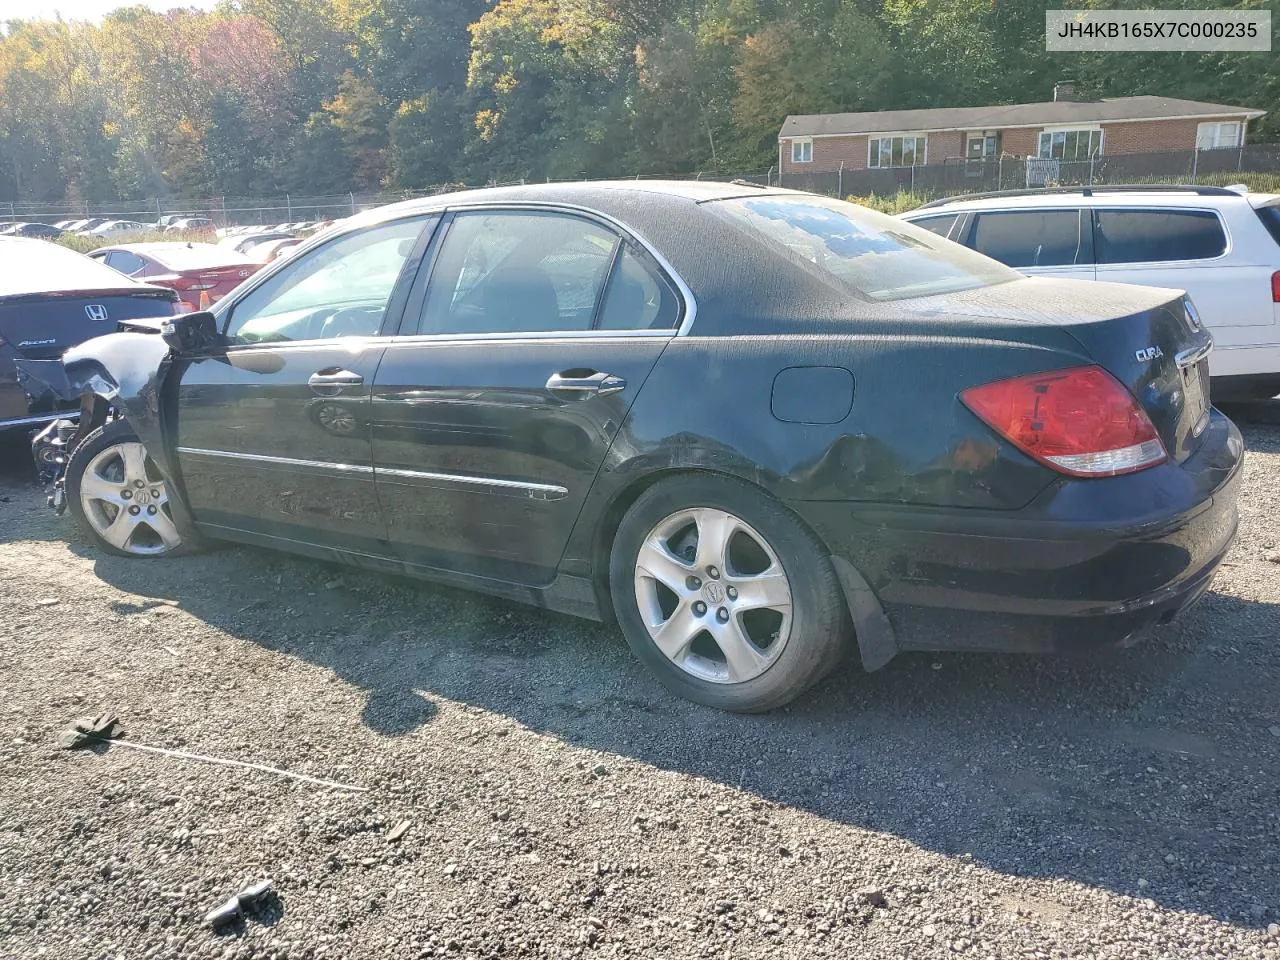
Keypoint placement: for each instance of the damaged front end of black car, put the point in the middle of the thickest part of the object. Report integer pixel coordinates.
(122, 375)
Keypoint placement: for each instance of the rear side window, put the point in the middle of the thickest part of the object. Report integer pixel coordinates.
(1270, 217)
(506, 272)
(127, 263)
(1146, 236)
(637, 298)
(1031, 238)
(941, 225)
(875, 256)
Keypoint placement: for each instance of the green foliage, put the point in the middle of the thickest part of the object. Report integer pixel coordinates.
(88, 244)
(330, 96)
(892, 203)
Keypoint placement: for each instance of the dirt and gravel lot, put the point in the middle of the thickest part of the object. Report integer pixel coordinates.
(561, 803)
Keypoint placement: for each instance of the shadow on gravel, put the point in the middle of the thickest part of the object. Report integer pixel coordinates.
(1148, 771)
(1152, 772)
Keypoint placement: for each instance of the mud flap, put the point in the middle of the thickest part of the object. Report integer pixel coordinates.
(877, 644)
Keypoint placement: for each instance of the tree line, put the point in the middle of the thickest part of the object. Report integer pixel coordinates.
(262, 97)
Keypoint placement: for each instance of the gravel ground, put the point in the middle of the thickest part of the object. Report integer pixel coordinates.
(561, 803)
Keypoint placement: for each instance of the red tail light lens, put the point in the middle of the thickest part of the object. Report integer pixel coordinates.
(1275, 287)
(181, 306)
(1081, 421)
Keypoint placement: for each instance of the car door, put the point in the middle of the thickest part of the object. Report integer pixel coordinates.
(1053, 242)
(519, 356)
(1187, 250)
(273, 428)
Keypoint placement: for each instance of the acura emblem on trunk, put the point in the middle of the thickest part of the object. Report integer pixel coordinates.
(95, 311)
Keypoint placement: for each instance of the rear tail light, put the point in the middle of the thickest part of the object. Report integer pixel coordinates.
(1080, 421)
(1275, 287)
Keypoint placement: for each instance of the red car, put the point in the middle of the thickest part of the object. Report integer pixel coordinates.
(201, 273)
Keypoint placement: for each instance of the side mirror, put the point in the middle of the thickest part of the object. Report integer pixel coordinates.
(191, 333)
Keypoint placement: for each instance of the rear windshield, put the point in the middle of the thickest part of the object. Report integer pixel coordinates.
(876, 256)
(197, 256)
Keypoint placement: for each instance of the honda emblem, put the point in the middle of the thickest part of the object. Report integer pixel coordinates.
(95, 311)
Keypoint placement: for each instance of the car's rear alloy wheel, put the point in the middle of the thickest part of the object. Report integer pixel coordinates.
(725, 594)
(713, 595)
(119, 496)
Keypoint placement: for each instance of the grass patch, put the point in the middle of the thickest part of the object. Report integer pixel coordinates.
(87, 244)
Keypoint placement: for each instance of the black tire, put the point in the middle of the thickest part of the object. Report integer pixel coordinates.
(108, 435)
(820, 632)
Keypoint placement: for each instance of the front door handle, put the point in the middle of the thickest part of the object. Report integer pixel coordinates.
(334, 378)
(595, 384)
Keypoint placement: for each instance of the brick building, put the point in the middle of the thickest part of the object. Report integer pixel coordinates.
(1063, 129)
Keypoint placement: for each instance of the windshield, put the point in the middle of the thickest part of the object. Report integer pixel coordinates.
(876, 256)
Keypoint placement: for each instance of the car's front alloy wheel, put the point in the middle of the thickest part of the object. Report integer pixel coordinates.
(119, 496)
(724, 594)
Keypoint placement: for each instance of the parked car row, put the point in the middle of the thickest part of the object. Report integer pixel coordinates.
(758, 428)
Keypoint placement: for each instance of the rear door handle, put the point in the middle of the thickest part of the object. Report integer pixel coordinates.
(595, 384)
(335, 378)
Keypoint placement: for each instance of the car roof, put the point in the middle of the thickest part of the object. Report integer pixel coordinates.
(611, 197)
(1173, 197)
(37, 266)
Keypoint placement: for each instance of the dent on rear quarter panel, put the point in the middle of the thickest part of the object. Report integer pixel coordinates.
(906, 439)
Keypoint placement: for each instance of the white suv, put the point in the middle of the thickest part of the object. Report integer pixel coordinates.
(1219, 244)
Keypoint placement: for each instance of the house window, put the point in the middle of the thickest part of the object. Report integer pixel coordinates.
(1070, 144)
(897, 152)
(1215, 136)
(981, 144)
(801, 151)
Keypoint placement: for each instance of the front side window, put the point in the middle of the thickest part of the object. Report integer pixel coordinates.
(1218, 136)
(339, 289)
(801, 151)
(1030, 238)
(1153, 236)
(876, 256)
(1070, 144)
(896, 152)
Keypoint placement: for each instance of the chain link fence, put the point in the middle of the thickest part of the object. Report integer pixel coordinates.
(272, 211)
(958, 176)
(955, 176)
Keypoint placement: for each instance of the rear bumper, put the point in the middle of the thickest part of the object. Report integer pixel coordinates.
(1088, 563)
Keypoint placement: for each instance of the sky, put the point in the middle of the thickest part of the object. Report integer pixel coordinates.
(93, 10)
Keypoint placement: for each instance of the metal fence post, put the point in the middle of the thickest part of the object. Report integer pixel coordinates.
(1240, 158)
(352, 197)
(840, 182)
(288, 201)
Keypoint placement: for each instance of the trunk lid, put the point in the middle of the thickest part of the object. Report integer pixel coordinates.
(1148, 338)
(43, 327)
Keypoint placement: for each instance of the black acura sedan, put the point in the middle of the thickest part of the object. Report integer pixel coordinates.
(755, 426)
